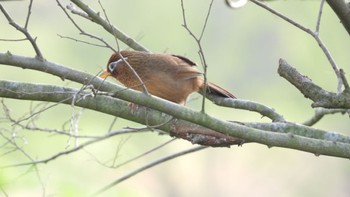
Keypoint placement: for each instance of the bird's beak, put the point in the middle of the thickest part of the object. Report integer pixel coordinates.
(105, 74)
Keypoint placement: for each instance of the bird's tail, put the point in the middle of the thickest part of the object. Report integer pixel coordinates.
(214, 89)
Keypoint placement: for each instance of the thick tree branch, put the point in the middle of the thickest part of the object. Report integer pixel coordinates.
(321, 97)
(116, 107)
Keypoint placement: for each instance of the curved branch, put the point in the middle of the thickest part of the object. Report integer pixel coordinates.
(248, 105)
(320, 113)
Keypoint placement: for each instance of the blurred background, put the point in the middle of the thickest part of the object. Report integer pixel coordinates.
(242, 47)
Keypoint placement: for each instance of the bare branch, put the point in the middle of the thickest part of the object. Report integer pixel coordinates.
(201, 51)
(206, 20)
(320, 113)
(147, 166)
(13, 40)
(28, 14)
(321, 97)
(82, 32)
(77, 148)
(318, 23)
(248, 105)
(81, 41)
(17, 147)
(108, 27)
(24, 30)
(145, 153)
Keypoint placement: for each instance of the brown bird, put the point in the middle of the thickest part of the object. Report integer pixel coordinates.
(170, 77)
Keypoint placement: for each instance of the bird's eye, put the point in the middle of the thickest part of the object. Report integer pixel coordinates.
(113, 65)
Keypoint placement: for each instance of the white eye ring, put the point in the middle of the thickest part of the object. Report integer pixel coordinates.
(113, 65)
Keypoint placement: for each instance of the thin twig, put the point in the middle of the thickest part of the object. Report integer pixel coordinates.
(114, 166)
(206, 20)
(40, 111)
(81, 41)
(112, 124)
(147, 166)
(10, 119)
(13, 40)
(13, 142)
(67, 152)
(104, 164)
(82, 32)
(96, 18)
(318, 23)
(145, 153)
(28, 14)
(201, 51)
(24, 30)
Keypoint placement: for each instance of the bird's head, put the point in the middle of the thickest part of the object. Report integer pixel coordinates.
(112, 65)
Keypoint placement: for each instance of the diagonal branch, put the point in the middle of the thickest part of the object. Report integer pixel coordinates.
(150, 165)
(96, 17)
(321, 97)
